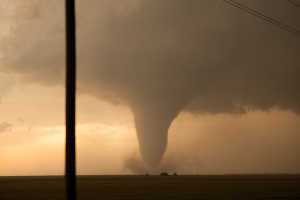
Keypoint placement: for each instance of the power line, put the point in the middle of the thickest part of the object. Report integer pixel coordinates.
(293, 3)
(264, 17)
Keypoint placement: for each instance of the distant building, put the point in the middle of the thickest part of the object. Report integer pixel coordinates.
(164, 174)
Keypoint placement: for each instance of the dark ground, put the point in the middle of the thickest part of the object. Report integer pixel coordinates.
(267, 186)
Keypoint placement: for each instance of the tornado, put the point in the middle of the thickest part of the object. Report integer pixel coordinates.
(153, 115)
(152, 133)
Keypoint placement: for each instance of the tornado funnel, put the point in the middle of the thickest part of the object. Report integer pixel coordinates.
(153, 118)
(152, 133)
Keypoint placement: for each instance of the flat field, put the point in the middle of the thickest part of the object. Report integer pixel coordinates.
(155, 187)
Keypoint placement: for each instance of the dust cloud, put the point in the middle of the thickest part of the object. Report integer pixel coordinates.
(173, 162)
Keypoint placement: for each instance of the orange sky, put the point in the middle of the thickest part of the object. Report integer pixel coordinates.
(258, 142)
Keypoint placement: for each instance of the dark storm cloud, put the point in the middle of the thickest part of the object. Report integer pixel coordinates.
(162, 57)
(34, 47)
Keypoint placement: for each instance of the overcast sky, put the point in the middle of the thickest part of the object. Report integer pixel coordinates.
(186, 86)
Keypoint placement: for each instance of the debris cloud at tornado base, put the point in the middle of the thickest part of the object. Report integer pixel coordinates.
(162, 57)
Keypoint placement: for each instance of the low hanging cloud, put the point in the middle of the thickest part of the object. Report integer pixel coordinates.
(6, 85)
(5, 127)
(161, 57)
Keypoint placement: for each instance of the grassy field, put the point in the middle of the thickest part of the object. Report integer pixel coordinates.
(155, 187)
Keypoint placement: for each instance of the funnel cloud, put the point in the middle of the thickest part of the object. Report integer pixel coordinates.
(163, 57)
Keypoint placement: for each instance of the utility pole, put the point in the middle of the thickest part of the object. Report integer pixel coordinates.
(70, 169)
